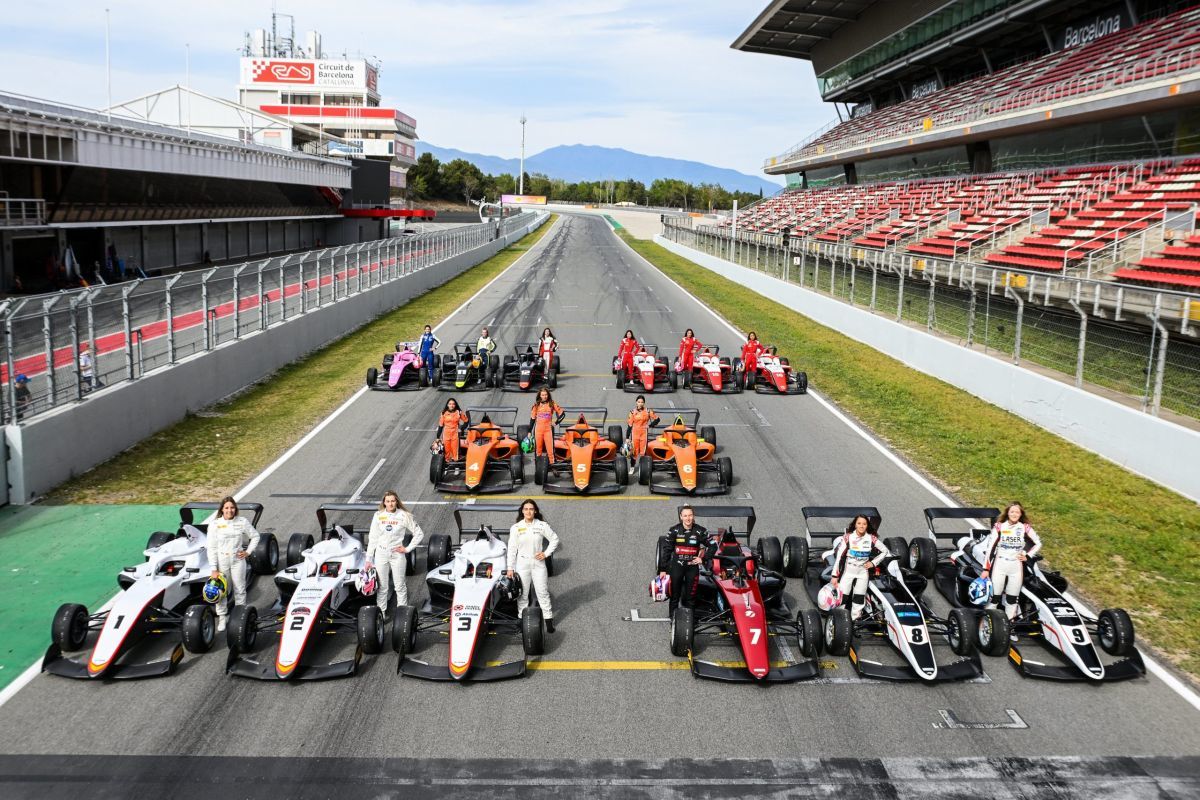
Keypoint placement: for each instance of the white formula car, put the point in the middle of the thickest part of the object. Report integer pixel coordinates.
(158, 597)
(468, 599)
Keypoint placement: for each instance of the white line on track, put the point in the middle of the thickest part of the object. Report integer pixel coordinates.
(362, 486)
(1161, 672)
(36, 667)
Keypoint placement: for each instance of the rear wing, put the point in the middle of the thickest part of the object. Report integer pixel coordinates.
(846, 513)
(414, 346)
(652, 349)
(690, 416)
(974, 515)
(520, 348)
(324, 509)
(497, 511)
(595, 416)
(744, 513)
(504, 417)
(187, 513)
(460, 347)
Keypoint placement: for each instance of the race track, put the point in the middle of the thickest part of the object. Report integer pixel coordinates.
(787, 452)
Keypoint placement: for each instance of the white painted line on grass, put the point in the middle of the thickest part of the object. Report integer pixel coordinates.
(1161, 672)
(362, 486)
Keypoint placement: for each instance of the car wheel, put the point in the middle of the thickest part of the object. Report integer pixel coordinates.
(802, 382)
(264, 559)
(549, 566)
(158, 539)
(297, 544)
(552, 379)
(645, 467)
(795, 556)
(725, 465)
(898, 546)
(540, 465)
(522, 432)
(621, 470)
(1114, 629)
(959, 625)
(404, 631)
(992, 631)
(372, 376)
(620, 378)
(683, 631)
(770, 553)
(533, 632)
(516, 467)
(70, 627)
(616, 435)
(709, 434)
(438, 551)
(199, 628)
(241, 632)
(922, 555)
(662, 554)
(838, 631)
(672, 379)
(808, 632)
(437, 464)
(422, 377)
(370, 629)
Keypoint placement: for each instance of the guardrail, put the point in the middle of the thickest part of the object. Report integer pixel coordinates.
(69, 344)
(1129, 343)
(17, 212)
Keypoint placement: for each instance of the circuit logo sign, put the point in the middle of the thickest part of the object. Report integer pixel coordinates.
(264, 71)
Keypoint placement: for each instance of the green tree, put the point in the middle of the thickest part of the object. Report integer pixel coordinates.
(425, 174)
(461, 178)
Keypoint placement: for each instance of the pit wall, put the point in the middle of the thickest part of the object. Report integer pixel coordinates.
(57, 446)
(1157, 449)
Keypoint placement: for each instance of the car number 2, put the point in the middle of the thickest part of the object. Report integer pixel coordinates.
(297, 623)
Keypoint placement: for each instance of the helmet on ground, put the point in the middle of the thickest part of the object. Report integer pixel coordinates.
(367, 580)
(509, 588)
(980, 591)
(829, 598)
(527, 443)
(660, 588)
(215, 589)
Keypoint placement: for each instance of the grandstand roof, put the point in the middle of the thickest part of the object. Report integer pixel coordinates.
(792, 27)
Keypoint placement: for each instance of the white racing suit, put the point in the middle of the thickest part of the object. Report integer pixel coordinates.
(226, 537)
(851, 557)
(485, 347)
(525, 540)
(1001, 550)
(386, 534)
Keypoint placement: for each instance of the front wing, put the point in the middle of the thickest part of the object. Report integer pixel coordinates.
(56, 663)
(434, 672)
(789, 673)
(251, 668)
(1126, 668)
(960, 670)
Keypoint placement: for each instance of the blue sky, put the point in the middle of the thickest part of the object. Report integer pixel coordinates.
(652, 76)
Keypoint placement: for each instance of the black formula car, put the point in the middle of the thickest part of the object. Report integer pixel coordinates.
(525, 371)
(466, 370)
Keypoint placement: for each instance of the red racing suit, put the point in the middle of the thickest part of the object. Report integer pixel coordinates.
(688, 346)
(625, 356)
(750, 352)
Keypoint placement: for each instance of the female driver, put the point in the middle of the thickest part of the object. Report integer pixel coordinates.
(628, 346)
(230, 540)
(546, 347)
(451, 419)
(688, 346)
(386, 548)
(639, 423)
(542, 416)
(527, 552)
(852, 561)
(1011, 542)
(750, 352)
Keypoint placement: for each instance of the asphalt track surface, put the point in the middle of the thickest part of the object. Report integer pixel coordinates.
(587, 717)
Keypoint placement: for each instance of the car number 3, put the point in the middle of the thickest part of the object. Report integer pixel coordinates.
(464, 624)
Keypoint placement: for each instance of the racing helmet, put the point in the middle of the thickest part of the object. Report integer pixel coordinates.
(508, 588)
(980, 591)
(215, 589)
(367, 580)
(830, 597)
(660, 588)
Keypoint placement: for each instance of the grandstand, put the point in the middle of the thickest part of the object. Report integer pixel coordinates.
(1033, 135)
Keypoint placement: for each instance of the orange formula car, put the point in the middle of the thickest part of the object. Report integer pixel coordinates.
(491, 458)
(683, 460)
(586, 461)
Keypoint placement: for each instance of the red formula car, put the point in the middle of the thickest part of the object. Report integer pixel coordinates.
(775, 375)
(651, 372)
(713, 373)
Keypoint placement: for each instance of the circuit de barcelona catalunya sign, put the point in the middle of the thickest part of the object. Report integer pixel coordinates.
(340, 74)
(523, 199)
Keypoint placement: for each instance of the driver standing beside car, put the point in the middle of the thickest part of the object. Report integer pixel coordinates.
(485, 347)
(530, 542)
(689, 547)
(231, 539)
(852, 562)
(386, 550)
(1006, 548)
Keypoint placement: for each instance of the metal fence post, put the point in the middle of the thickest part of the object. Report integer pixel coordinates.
(282, 293)
(126, 291)
(209, 333)
(929, 312)
(262, 298)
(237, 302)
(1008, 290)
(48, 338)
(1083, 320)
(174, 279)
(900, 297)
(75, 301)
(303, 287)
(12, 368)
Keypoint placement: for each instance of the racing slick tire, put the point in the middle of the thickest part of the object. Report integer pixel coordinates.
(922, 556)
(264, 558)
(898, 546)
(370, 629)
(992, 631)
(644, 469)
(621, 469)
(770, 553)
(552, 379)
(438, 551)
(683, 630)
(959, 626)
(808, 632)
(802, 382)
(522, 432)
(795, 556)
(158, 539)
(422, 377)
(372, 377)
(533, 632)
(672, 379)
(70, 627)
(297, 544)
(616, 435)
(620, 378)
(241, 634)
(1114, 629)
(549, 566)
(750, 378)
(725, 465)
(437, 465)
(199, 628)
(540, 465)
(838, 629)
(516, 467)
(404, 630)
(709, 434)
(555, 364)
(662, 554)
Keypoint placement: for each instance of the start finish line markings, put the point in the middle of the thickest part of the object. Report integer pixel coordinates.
(950, 721)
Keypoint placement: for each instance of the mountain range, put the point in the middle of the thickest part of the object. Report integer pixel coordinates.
(582, 162)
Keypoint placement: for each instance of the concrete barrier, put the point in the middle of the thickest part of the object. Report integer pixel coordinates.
(59, 445)
(1157, 449)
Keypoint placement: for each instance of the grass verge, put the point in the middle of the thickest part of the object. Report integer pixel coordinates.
(211, 455)
(1123, 540)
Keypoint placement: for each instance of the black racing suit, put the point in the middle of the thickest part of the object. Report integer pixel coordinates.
(686, 544)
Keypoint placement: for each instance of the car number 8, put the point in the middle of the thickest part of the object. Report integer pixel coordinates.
(916, 635)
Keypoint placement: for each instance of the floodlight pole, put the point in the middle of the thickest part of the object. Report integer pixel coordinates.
(521, 177)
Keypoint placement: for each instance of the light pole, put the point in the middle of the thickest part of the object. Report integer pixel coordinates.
(521, 177)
